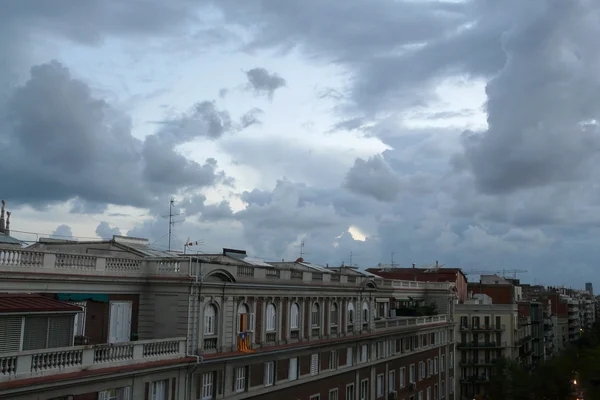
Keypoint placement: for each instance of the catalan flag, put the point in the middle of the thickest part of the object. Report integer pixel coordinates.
(244, 342)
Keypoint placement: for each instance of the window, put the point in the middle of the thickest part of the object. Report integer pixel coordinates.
(210, 316)
(421, 395)
(293, 372)
(364, 389)
(333, 394)
(365, 313)
(392, 347)
(380, 385)
(411, 377)
(421, 370)
(351, 317)
(380, 350)
(208, 384)
(158, 390)
(429, 367)
(41, 332)
(402, 377)
(349, 356)
(334, 314)
(240, 379)
(451, 360)
(452, 382)
(364, 353)
(392, 381)
(314, 364)
(295, 316)
(80, 318)
(333, 359)
(245, 321)
(350, 391)
(435, 392)
(271, 318)
(123, 393)
(428, 393)
(315, 397)
(443, 389)
(269, 373)
(443, 363)
(435, 365)
(316, 316)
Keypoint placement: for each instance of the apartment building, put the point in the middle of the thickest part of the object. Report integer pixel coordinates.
(119, 320)
(486, 331)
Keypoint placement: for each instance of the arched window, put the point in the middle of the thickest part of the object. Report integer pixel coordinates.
(210, 319)
(350, 313)
(271, 318)
(316, 315)
(365, 313)
(295, 316)
(334, 314)
(245, 320)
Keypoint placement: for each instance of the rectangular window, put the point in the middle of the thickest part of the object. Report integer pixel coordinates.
(208, 384)
(240, 379)
(411, 378)
(333, 359)
(350, 391)
(315, 397)
(269, 373)
(443, 389)
(435, 365)
(122, 393)
(380, 350)
(364, 389)
(314, 364)
(443, 363)
(364, 353)
(429, 367)
(402, 377)
(293, 372)
(380, 385)
(435, 392)
(159, 390)
(428, 393)
(333, 394)
(421, 370)
(79, 329)
(392, 381)
(294, 316)
(451, 360)
(349, 357)
(392, 347)
(421, 395)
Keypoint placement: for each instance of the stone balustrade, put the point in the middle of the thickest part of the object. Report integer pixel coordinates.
(35, 363)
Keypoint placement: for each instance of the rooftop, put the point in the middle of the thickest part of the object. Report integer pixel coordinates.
(26, 303)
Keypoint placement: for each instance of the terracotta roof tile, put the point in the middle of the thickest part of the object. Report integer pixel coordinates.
(22, 302)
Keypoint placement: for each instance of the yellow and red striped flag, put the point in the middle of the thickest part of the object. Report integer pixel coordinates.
(244, 342)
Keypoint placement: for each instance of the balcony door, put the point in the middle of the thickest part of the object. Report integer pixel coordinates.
(120, 322)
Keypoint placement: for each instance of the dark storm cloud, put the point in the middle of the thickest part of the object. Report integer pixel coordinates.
(64, 143)
(543, 106)
(262, 81)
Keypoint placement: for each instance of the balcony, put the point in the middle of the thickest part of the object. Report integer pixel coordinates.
(210, 344)
(473, 362)
(482, 328)
(36, 363)
(474, 379)
(392, 323)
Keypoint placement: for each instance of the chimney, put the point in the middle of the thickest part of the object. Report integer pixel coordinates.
(7, 229)
(2, 217)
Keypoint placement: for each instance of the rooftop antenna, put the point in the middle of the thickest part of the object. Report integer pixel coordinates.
(302, 253)
(171, 222)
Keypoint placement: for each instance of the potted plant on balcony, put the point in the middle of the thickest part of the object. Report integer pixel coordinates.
(134, 337)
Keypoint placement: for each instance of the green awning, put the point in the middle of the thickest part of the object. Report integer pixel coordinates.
(83, 297)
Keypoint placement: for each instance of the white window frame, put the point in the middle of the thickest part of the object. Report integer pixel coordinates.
(451, 366)
(420, 396)
(349, 356)
(436, 392)
(333, 394)
(210, 320)
(269, 373)
(350, 391)
(295, 316)
(428, 393)
(443, 363)
(412, 378)
(402, 377)
(79, 320)
(380, 380)
(240, 380)
(334, 314)
(208, 386)
(364, 353)
(293, 362)
(315, 315)
(351, 313)
(121, 393)
(314, 364)
(364, 389)
(333, 360)
(315, 396)
(443, 389)
(159, 390)
(271, 314)
(435, 365)
(365, 314)
(392, 380)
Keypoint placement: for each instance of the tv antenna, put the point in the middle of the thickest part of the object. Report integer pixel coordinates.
(171, 221)
(392, 265)
(188, 244)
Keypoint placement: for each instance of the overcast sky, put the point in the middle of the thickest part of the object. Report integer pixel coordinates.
(464, 132)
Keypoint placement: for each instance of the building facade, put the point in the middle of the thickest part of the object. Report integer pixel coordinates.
(137, 323)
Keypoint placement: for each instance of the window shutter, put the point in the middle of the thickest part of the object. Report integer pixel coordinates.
(36, 333)
(60, 331)
(10, 332)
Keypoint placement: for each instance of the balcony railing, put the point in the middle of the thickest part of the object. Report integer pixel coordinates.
(483, 327)
(210, 343)
(34, 363)
(481, 344)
